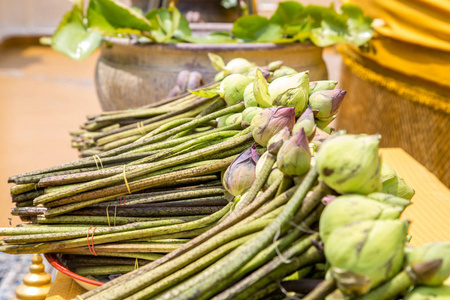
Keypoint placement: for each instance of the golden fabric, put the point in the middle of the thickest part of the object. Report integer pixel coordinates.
(415, 40)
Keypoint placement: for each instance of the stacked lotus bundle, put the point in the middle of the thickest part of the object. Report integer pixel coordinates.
(160, 186)
(249, 198)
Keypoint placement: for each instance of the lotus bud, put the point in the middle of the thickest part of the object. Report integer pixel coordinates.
(283, 71)
(240, 174)
(350, 163)
(389, 199)
(270, 121)
(220, 76)
(249, 96)
(294, 157)
(429, 293)
(322, 124)
(319, 137)
(261, 90)
(321, 85)
(351, 208)
(222, 121)
(233, 119)
(249, 113)
(239, 66)
(392, 184)
(429, 252)
(326, 200)
(326, 103)
(364, 254)
(291, 91)
(232, 88)
(275, 65)
(306, 121)
(275, 142)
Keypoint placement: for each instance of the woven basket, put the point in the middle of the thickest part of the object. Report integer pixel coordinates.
(386, 103)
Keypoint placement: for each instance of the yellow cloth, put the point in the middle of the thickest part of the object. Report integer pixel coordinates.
(415, 40)
(428, 213)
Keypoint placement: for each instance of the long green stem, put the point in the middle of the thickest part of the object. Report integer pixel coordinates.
(322, 290)
(114, 237)
(217, 274)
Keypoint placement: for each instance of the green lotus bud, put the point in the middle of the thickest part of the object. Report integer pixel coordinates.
(392, 184)
(249, 113)
(322, 124)
(326, 103)
(222, 121)
(389, 199)
(240, 174)
(321, 85)
(239, 66)
(291, 91)
(350, 163)
(364, 254)
(351, 208)
(233, 119)
(232, 88)
(306, 121)
(275, 65)
(275, 142)
(220, 76)
(294, 157)
(432, 251)
(270, 121)
(429, 293)
(249, 96)
(283, 71)
(261, 90)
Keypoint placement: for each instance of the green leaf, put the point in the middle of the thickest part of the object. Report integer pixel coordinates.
(216, 61)
(261, 90)
(288, 13)
(255, 28)
(207, 92)
(97, 20)
(183, 28)
(118, 15)
(359, 26)
(72, 38)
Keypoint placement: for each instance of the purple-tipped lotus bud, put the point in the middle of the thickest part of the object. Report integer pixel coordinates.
(326, 103)
(249, 113)
(393, 184)
(294, 157)
(233, 119)
(222, 121)
(283, 71)
(429, 293)
(270, 121)
(232, 88)
(326, 200)
(275, 142)
(306, 121)
(350, 163)
(249, 96)
(240, 174)
(291, 91)
(364, 254)
(321, 85)
(428, 252)
(275, 65)
(351, 208)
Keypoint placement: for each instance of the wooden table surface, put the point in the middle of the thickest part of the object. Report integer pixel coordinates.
(428, 213)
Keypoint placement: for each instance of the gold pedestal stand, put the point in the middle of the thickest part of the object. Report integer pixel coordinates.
(36, 284)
